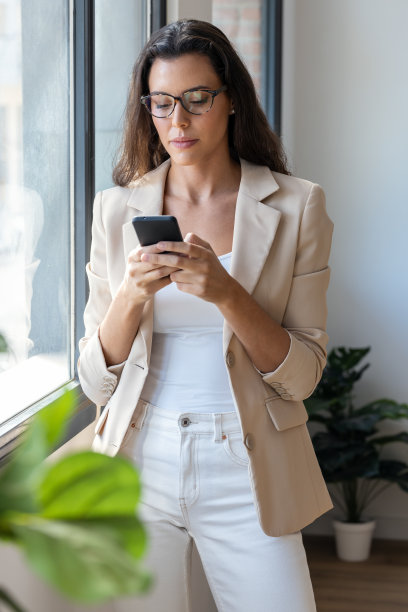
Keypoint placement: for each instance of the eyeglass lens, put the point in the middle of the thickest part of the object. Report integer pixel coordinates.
(196, 102)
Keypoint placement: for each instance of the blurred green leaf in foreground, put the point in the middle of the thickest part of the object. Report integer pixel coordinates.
(75, 519)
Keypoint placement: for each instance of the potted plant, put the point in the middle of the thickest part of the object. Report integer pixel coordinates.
(349, 448)
(75, 518)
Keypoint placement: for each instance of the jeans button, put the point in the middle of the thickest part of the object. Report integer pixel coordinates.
(185, 422)
(249, 442)
(230, 359)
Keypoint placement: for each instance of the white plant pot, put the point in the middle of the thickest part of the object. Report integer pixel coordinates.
(353, 540)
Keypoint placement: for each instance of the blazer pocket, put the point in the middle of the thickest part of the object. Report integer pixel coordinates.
(286, 413)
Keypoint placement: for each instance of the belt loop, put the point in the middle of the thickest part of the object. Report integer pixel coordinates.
(217, 427)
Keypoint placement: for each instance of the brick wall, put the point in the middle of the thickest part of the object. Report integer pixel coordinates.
(240, 20)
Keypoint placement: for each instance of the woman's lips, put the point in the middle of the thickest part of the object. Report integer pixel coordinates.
(183, 143)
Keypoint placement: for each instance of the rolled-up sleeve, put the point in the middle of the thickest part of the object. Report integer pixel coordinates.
(306, 311)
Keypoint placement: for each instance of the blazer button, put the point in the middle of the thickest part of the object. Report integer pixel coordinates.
(249, 442)
(230, 359)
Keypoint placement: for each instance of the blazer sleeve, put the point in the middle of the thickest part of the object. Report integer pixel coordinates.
(97, 380)
(306, 311)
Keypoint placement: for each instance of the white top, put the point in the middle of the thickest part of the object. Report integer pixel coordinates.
(187, 371)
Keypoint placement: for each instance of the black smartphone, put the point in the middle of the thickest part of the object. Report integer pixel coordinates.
(150, 230)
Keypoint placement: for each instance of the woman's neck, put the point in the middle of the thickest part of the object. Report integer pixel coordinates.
(201, 183)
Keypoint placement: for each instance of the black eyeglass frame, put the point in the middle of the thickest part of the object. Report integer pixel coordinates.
(213, 92)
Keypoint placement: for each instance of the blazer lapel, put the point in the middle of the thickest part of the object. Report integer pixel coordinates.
(255, 228)
(255, 223)
(146, 199)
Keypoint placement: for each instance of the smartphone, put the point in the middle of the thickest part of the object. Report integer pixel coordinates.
(151, 230)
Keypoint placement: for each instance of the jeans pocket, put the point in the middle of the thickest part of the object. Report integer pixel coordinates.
(129, 436)
(235, 449)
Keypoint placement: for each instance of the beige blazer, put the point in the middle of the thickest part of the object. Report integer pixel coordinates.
(280, 251)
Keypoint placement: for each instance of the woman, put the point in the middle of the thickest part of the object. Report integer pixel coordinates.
(203, 350)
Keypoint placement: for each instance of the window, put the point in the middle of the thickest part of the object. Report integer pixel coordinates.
(35, 228)
(63, 79)
(254, 27)
(118, 42)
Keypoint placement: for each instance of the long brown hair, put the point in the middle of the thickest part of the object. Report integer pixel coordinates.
(250, 136)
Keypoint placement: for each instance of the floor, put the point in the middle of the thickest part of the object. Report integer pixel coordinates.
(379, 584)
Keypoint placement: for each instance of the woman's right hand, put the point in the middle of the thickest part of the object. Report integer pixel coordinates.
(143, 279)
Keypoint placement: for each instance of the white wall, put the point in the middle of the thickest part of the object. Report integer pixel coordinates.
(190, 9)
(345, 126)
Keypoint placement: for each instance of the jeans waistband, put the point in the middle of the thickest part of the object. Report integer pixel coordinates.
(218, 424)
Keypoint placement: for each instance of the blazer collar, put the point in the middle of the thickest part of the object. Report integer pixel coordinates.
(148, 191)
(255, 223)
(257, 182)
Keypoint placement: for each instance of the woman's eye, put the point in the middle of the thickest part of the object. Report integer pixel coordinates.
(198, 97)
(161, 103)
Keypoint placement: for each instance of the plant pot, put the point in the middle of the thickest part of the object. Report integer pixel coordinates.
(353, 540)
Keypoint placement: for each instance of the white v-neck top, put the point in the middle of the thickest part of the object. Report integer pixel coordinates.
(187, 370)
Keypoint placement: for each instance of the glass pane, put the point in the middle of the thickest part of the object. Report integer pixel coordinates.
(34, 200)
(241, 21)
(120, 33)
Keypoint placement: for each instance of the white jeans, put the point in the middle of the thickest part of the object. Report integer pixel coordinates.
(194, 471)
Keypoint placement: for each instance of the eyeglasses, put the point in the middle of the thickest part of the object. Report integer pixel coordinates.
(196, 101)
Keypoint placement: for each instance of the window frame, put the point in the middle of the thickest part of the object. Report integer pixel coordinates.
(82, 186)
(82, 163)
(272, 16)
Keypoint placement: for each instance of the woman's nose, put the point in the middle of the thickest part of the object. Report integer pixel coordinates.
(180, 115)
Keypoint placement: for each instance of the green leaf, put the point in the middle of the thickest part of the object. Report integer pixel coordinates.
(54, 418)
(88, 484)
(127, 531)
(342, 459)
(85, 564)
(355, 424)
(3, 344)
(20, 477)
(394, 471)
(340, 373)
(384, 409)
(317, 404)
(319, 418)
(402, 436)
(76, 518)
(347, 358)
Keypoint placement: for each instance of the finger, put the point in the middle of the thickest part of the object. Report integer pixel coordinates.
(139, 270)
(151, 248)
(175, 261)
(135, 254)
(194, 239)
(186, 278)
(157, 273)
(183, 248)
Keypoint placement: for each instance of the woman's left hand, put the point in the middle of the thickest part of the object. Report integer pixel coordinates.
(200, 273)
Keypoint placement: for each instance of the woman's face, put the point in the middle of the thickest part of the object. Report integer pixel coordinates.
(191, 139)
